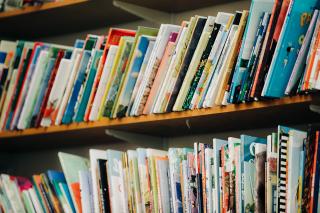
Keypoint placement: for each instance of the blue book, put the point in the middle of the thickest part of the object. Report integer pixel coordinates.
(79, 43)
(58, 181)
(87, 85)
(68, 115)
(128, 85)
(295, 27)
(258, 7)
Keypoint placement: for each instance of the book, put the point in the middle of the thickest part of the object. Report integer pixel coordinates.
(118, 74)
(257, 8)
(194, 63)
(286, 50)
(71, 165)
(191, 48)
(153, 66)
(94, 113)
(83, 97)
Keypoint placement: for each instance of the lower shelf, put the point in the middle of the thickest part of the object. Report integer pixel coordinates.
(269, 113)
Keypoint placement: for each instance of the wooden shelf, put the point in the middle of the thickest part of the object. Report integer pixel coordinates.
(39, 8)
(289, 110)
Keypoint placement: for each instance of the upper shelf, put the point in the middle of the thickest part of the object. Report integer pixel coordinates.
(289, 110)
(69, 16)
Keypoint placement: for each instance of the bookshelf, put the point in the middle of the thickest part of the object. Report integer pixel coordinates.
(267, 113)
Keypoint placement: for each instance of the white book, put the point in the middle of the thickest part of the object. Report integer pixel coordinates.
(194, 64)
(217, 144)
(35, 200)
(8, 46)
(58, 88)
(33, 91)
(86, 191)
(94, 155)
(27, 201)
(130, 110)
(12, 192)
(218, 73)
(295, 146)
(178, 53)
(162, 168)
(75, 62)
(106, 75)
(153, 65)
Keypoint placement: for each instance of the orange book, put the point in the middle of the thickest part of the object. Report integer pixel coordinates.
(311, 61)
(75, 187)
(163, 67)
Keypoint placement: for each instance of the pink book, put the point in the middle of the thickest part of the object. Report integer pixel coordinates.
(165, 62)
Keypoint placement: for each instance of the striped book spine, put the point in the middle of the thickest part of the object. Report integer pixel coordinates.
(282, 172)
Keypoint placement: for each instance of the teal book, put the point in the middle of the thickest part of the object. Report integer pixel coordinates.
(132, 75)
(247, 167)
(291, 38)
(71, 165)
(118, 75)
(88, 86)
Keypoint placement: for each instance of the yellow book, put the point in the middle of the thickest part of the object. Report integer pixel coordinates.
(113, 70)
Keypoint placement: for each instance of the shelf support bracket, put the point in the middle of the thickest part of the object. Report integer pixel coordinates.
(148, 14)
(135, 137)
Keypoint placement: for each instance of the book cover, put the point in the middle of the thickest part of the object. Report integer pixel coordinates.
(119, 73)
(224, 19)
(48, 89)
(277, 18)
(135, 68)
(153, 66)
(26, 112)
(200, 68)
(70, 109)
(192, 45)
(163, 67)
(256, 10)
(294, 28)
(300, 63)
(25, 84)
(71, 165)
(134, 61)
(106, 74)
(194, 63)
(85, 90)
(224, 88)
(56, 93)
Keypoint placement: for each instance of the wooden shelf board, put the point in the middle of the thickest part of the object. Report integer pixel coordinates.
(39, 8)
(289, 110)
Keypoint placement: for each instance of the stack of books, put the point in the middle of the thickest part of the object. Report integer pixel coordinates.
(267, 53)
(279, 173)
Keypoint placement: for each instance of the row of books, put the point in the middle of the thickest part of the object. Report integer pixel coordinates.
(8, 5)
(279, 173)
(269, 52)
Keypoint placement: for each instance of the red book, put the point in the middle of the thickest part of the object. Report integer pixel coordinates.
(48, 89)
(113, 39)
